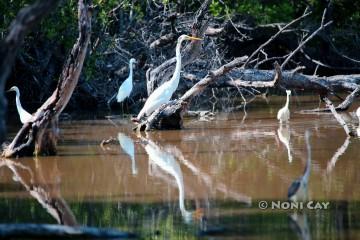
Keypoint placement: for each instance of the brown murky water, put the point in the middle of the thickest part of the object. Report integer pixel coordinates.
(204, 181)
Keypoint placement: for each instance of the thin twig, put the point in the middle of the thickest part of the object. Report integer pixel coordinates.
(275, 36)
(302, 44)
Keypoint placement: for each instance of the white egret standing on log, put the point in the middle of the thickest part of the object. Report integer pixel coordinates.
(283, 114)
(299, 188)
(163, 93)
(24, 115)
(127, 86)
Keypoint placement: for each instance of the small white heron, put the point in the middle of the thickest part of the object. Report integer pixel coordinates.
(127, 86)
(163, 93)
(24, 115)
(283, 114)
(298, 190)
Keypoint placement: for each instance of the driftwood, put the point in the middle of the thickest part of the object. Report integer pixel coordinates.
(39, 136)
(155, 77)
(170, 115)
(24, 21)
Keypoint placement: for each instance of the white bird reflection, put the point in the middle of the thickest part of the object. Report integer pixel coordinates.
(167, 163)
(127, 145)
(284, 136)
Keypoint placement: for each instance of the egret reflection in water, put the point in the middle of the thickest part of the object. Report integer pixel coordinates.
(127, 145)
(168, 163)
(284, 136)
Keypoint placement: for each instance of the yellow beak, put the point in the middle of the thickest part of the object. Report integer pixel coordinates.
(194, 38)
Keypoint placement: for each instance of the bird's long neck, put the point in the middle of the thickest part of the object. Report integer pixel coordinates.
(131, 71)
(176, 76)
(18, 103)
(287, 100)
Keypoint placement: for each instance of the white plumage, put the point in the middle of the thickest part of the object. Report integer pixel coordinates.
(163, 93)
(358, 113)
(24, 115)
(283, 114)
(127, 86)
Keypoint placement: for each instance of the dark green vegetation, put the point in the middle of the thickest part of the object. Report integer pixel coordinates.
(153, 220)
(118, 34)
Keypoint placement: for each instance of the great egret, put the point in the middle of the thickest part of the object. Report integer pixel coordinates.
(298, 189)
(127, 86)
(127, 145)
(163, 93)
(283, 114)
(24, 115)
(168, 163)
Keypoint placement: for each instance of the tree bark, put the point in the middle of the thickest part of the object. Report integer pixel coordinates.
(24, 21)
(39, 136)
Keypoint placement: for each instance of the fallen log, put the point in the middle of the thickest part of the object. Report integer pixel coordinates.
(170, 115)
(39, 135)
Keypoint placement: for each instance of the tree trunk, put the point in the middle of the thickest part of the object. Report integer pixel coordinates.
(24, 21)
(39, 136)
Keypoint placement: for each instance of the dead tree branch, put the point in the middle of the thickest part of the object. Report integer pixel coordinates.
(342, 106)
(40, 134)
(272, 38)
(163, 72)
(339, 118)
(302, 44)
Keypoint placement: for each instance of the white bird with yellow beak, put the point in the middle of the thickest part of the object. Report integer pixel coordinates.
(164, 93)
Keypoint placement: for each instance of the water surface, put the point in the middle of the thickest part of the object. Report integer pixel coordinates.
(204, 181)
